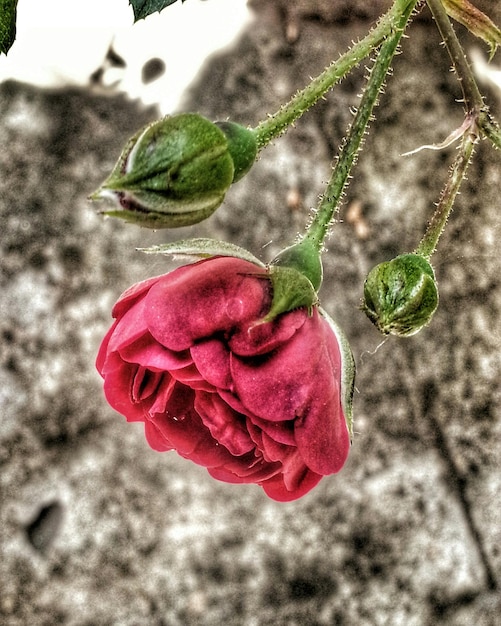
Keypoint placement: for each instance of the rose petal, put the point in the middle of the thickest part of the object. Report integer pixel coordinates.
(178, 422)
(209, 297)
(212, 359)
(225, 425)
(280, 386)
(127, 329)
(293, 466)
(191, 377)
(119, 377)
(144, 383)
(179, 427)
(255, 339)
(102, 354)
(300, 381)
(275, 487)
(322, 434)
(234, 402)
(281, 432)
(131, 295)
(146, 351)
(160, 401)
(322, 437)
(155, 438)
(259, 474)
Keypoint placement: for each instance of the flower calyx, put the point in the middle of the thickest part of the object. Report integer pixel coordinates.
(176, 171)
(401, 296)
(296, 276)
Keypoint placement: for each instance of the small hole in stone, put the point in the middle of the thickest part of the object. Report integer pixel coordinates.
(45, 526)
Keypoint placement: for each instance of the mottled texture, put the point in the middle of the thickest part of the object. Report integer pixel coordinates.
(96, 528)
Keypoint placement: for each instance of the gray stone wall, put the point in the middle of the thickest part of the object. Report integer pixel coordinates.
(96, 528)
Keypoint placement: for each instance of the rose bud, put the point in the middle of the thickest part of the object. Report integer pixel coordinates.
(176, 171)
(257, 402)
(401, 296)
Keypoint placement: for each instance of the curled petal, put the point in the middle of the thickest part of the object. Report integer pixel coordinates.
(191, 377)
(276, 488)
(131, 295)
(216, 296)
(225, 425)
(269, 389)
(261, 337)
(212, 359)
(145, 351)
(257, 474)
(118, 381)
(128, 328)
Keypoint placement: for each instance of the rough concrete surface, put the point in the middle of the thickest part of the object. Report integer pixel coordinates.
(96, 528)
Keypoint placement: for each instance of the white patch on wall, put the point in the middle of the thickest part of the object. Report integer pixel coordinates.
(62, 42)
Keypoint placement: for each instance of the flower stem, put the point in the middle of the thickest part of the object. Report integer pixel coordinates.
(329, 203)
(457, 173)
(471, 95)
(278, 123)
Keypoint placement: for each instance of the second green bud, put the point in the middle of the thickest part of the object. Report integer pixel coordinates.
(401, 296)
(176, 171)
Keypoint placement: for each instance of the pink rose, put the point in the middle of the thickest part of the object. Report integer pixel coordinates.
(253, 402)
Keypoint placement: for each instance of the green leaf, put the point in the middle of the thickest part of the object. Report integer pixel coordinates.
(202, 249)
(7, 24)
(143, 8)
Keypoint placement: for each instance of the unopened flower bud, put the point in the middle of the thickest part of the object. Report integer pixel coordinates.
(401, 296)
(176, 171)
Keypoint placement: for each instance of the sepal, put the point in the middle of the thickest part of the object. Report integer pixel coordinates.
(348, 370)
(296, 275)
(201, 248)
(477, 22)
(291, 290)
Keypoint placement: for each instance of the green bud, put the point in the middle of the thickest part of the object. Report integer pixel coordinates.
(176, 171)
(401, 296)
(241, 145)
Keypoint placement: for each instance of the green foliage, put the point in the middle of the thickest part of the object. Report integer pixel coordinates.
(7, 24)
(143, 8)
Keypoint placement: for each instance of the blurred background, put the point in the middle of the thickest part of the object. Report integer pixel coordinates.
(98, 529)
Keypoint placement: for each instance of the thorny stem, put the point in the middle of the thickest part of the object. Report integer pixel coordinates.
(329, 203)
(277, 123)
(471, 95)
(479, 120)
(444, 207)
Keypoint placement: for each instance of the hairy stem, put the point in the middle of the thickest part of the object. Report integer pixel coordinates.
(329, 203)
(471, 95)
(444, 207)
(277, 123)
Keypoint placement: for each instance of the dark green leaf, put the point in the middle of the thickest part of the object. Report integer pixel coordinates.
(143, 8)
(7, 24)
